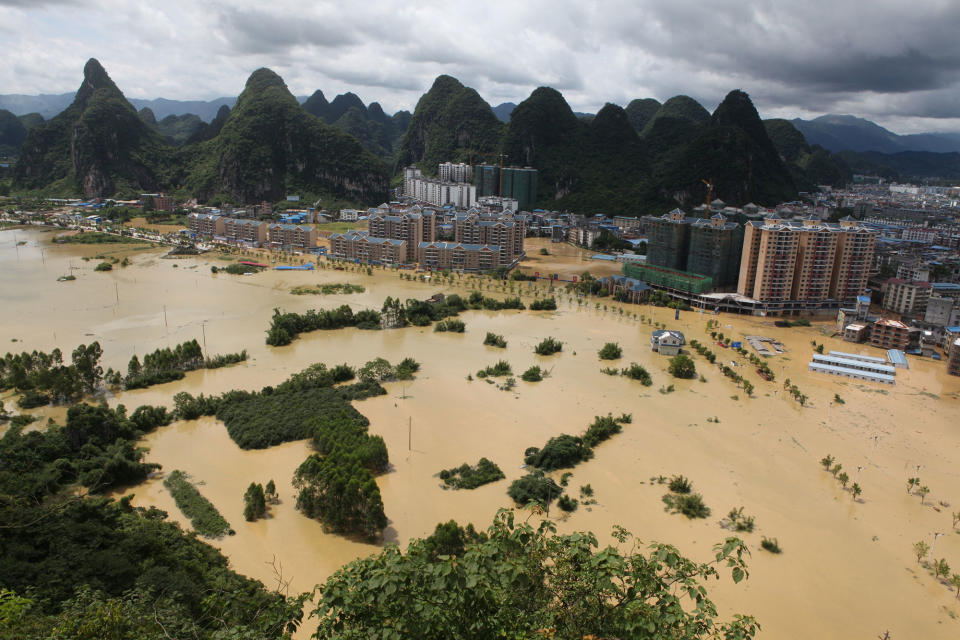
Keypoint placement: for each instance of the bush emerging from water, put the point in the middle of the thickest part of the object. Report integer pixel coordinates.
(548, 347)
(471, 477)
(680, 484)
(451, 325)
(682, 366)
(501, 368)
(637, 372)
(568, 504)
(494, 340)
(534, 487)
(610, 351)
(103, 266)
(690, 505)
(533, 374)
(771, 545)
(546, 304)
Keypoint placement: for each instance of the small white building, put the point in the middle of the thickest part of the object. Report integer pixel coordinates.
(349, 215)
(667, 342)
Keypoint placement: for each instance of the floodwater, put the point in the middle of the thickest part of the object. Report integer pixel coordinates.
(847, 569)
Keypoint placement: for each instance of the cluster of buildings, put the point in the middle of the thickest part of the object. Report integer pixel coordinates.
(252, 233)
(465, 186)
(474, 240)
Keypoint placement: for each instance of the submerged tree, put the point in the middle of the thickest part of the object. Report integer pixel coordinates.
(254, 502)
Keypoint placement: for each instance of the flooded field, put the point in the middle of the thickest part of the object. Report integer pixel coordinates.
(847, 569)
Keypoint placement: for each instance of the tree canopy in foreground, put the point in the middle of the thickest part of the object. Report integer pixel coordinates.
(524, 582)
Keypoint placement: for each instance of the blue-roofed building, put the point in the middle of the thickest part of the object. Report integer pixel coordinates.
(627, 289)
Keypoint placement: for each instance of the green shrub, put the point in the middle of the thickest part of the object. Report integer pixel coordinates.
(103, 266)
(451, 325)
(637, 372)
(548, 346)
(568, 504)
(563, 451)
(546, 304)
(682, 366)
(533, 374)
(689, 504)
(611, 351)
(680, 484)
(501, 368)
(534, 487)
(494, 340)
(771, 545)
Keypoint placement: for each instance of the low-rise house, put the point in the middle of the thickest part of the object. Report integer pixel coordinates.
(667, 342)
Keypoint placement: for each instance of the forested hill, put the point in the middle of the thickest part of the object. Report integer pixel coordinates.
(264, 148)
(269, 146)
(377, 132)
(451, 123)
(97, 146)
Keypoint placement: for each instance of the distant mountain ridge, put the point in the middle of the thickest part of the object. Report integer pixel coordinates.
(850, 133)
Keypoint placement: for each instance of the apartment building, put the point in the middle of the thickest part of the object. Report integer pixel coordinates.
(705, 246)
(241, 231)
(293, 236)
(460, 172)
(953, 362)
(359, 246)
(462, 195)
(413, 226)
(506, 231)
(458, 256)
(805, 261)
(942, 312)
(906, 298)
(890, 334)
(204, 224)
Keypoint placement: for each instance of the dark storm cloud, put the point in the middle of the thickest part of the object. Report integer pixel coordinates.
(882, 59)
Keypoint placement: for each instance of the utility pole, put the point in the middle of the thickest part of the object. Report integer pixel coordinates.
(203, 327)
(165, 316)
(410, 435)
(936, 534)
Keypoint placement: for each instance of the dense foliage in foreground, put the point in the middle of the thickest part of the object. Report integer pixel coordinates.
(520, 582)
(96, 449)
(74, 566)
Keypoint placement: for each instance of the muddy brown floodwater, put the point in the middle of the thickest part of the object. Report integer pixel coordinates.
(847, 569)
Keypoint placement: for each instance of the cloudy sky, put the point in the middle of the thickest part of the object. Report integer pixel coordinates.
(894, 62)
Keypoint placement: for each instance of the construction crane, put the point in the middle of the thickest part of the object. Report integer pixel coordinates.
(709, 193)
(502, 156)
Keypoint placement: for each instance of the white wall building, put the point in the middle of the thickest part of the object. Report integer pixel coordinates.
(450, 172)
(460, 194)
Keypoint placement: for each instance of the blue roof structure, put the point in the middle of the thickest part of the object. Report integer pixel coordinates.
(897, 358)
